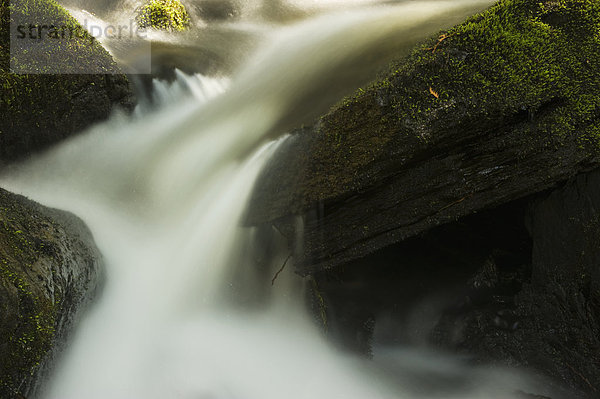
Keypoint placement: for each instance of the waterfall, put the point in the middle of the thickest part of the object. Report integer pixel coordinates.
(163, 191)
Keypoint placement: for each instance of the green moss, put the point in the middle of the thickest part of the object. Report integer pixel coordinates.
(73, 50)
(29, 318)
(519, 60)
(169, 15)
(41, 79)
(43, 282)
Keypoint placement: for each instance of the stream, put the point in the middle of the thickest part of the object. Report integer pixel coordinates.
(163, 191)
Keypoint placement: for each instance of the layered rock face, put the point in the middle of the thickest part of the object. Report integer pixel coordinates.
(500, 107)
(562, 304)
(49, 270)
(458, 190)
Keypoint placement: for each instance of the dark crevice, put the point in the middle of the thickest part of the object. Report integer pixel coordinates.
(479, 261)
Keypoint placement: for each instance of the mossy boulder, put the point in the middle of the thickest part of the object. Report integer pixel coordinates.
(49, 269)
(55, 79)
(502, 106)
(168, 15)
(490, 121)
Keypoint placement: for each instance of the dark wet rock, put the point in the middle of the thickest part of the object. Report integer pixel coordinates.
(62, 85)
(479, 261)
(49, 271)
(562, 304)
(493, 110)
(498, 287)
(411, 197)
(553, 325)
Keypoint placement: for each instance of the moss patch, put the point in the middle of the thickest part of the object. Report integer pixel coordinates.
(500, 107)
(45, 105)
(46, 39)
(49, 270)
(519, 61)
(29, 316)
(534, 59)
(168, 15)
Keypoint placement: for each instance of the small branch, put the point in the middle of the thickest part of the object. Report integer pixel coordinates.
(581, 376)
(280, 270)
(440, 40)
(454, 203)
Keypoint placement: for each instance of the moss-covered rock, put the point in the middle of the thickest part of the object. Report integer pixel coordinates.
(49, 268)
(169, 15)
(502, 106)
(51, 86)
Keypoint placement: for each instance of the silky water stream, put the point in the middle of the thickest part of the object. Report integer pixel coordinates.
(163, 191)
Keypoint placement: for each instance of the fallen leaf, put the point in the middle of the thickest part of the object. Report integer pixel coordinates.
(433, 92)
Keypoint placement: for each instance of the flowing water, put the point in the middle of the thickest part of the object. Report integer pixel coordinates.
(163, 190)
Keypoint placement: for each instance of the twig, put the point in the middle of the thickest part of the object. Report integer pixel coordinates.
(440, 40)
(280, 270)
(581, 376)
(455, 202)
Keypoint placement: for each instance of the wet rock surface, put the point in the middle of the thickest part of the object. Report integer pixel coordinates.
(551, 323)
(516, 285)
(49, 271)
(51, 89)
(485, 114)
(454, 201)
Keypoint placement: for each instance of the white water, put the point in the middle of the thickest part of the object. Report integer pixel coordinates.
(163, 192)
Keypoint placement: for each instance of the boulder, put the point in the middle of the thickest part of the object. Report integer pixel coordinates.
(500, 107)
(51, 86)
(168, 15)
(454, 200)
(49, 271)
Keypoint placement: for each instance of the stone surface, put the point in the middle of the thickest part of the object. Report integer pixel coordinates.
(514, 286)
(454, 200)
(495, 109)
(552, 322)
(49, 271)
(62, 87)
